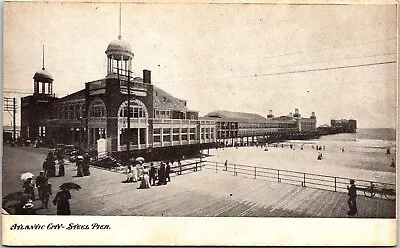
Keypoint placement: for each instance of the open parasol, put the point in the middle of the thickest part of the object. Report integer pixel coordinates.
(138, 159)
(70, 185)
(26, 175)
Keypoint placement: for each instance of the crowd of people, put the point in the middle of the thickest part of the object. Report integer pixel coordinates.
(54, 160)
(149, 175)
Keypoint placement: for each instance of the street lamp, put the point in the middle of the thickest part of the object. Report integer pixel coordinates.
(80, 131)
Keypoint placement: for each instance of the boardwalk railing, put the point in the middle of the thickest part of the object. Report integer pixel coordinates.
(318, 181)
(187, 167)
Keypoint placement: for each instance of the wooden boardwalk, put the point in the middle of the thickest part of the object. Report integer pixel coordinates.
(207, 193)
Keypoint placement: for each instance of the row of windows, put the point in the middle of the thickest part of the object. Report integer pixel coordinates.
(69, 112)
(175, 137)
(162, 114)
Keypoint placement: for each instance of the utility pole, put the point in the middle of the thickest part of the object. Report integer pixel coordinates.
(129, 113)
(10, 105)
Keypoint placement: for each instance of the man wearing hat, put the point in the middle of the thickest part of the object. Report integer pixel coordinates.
(352, 192)
(79, 165)
(41, 183)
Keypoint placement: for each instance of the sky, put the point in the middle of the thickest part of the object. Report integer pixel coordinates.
(336, 60)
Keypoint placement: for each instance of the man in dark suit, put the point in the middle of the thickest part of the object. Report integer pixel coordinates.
(161, 175)
(167, 171)
(352, 198)
(152, 174)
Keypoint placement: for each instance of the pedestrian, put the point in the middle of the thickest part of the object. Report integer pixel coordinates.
(161, 174)
(134, 173)
(145, 183)
(45, 167)
(29, 188)
(46, 192)
(41, 184)
(79, 166)
(129, 174)
(152, 174)
(86, 164)
(139, 169)
(167, 171)
(226, 165)
(61, 168)
(352, 193)
(323, 148)
(388, 151)
(393, 163)
(62, 201)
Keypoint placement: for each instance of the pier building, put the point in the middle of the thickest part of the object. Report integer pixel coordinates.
(156, 121)
(248, 128)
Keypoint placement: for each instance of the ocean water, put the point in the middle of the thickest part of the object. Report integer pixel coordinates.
(366, 139)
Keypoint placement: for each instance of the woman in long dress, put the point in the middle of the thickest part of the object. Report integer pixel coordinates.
(62, 202)
(61, 168)
(145, 184)
(134, 173)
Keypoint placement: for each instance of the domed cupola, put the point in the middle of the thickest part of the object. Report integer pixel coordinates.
(118, 48)
(119, 55)
(43, 81)
(43, 76)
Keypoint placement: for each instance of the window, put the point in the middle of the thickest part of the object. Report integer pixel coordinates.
(157, 131)
(176, 137)
(166, 138)
(157, 139)
(97, 109)
(166, 131)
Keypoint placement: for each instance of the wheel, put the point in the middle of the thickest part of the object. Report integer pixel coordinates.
(390, 194)
(369, 192)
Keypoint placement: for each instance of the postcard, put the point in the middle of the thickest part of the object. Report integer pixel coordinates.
(199, 123)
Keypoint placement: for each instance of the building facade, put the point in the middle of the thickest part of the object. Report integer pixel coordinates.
(127, 112)
(247, 128)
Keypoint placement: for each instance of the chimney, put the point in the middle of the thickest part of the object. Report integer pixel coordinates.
(313, 115)
(146, 76)
(291, 114)
(296, 113)
(270, 115)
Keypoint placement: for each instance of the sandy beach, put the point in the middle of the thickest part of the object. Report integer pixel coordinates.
(354, 162)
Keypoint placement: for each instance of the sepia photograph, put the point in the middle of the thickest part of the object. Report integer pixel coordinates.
(227, 115)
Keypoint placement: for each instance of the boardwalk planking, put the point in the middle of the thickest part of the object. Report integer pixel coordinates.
(202, 193)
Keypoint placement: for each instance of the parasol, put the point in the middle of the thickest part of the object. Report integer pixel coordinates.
(138, 159)
(70, 185)
(26, 175)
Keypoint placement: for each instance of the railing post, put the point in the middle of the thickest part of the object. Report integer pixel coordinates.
(304, 179)
(216, 167)
(196, 166)
(180, 169)
(335, 184)
(255, 172)
(234, 170)
(279, 180)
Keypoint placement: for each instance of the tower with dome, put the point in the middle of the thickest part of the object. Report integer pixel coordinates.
(147, 120)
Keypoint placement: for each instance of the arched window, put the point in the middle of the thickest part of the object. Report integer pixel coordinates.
(137, 109)
(97, 109)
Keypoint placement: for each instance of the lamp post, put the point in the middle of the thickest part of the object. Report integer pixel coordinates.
(80, 131)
